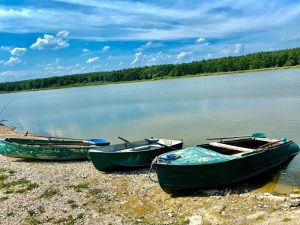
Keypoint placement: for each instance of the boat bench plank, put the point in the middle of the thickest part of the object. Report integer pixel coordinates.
(231, 147)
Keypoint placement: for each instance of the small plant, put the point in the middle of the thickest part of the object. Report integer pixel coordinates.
(272, 209)
(30, 220)
(49, 193)
(80, 187)
(261, 217)
(3, 198)
(41, 209)
(80, 216)
(66, 221)
(102, 210)
(286, 219)
(72, 204)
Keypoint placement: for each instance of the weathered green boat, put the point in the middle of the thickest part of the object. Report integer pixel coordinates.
(131, 154)
(221, 163)
(48, 148)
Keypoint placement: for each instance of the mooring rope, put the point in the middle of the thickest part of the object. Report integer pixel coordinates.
(151, 169)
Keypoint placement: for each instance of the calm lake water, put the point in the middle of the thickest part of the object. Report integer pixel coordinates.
(191, 109)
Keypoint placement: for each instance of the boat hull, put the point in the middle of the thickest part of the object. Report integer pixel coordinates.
(106, 161)
(42, 153)
(173, 178)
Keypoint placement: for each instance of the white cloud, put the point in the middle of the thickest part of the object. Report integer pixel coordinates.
(182, 55)
(105, 48)
(63, 33)
(12, 61)
(51, 42)
(18, 51)
(238, 48)
(201, 40)
(92, 60)
(85, 50)
(137, 57)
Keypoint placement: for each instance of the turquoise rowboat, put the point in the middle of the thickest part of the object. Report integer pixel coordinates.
(221, 163)
(131, 154)
(48, 148)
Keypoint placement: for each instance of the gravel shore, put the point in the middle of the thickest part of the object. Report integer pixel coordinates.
(33, 192)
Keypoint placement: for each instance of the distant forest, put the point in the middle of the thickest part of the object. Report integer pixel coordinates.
(288, 57)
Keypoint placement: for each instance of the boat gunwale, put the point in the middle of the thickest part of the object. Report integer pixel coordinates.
(122, 151)
(245, 155)
(67, 147)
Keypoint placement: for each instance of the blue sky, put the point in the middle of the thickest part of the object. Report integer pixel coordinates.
(59, 37)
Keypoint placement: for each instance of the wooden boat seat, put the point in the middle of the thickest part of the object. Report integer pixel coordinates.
(231, 147)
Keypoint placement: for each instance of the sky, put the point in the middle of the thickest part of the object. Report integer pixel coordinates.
(60, 37)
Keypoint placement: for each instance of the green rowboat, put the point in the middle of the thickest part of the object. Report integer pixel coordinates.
(221, 163)
(131, 154)
(46, 148)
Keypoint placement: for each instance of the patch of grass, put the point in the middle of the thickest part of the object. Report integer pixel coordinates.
(261, 217)
(66, 221)
(272, 209)
(30, 220)
(80, 216)
(41, 209)
(72, 204)
(2, 199)
(49, 193)
(102, 210)
(17, 186)
(80, 187)
(3, 177)
(286, 219)
(2, 170)
(296, 191)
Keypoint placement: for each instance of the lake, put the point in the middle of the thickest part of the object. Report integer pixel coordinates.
(191, 109)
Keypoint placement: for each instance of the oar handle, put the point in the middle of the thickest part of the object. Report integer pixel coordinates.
(156, 142)
(123, 139)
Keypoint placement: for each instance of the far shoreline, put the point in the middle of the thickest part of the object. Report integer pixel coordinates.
(158, 79)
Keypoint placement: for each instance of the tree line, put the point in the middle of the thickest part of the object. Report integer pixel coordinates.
(287, 57)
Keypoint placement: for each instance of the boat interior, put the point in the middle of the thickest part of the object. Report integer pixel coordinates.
(144, 145)
(241, 146)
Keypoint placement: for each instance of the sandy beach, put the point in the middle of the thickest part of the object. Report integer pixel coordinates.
(33, 192)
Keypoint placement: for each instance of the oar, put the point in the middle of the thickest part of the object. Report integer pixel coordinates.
(91, 141)
(255, 135)
(123, 139)
(156, 142)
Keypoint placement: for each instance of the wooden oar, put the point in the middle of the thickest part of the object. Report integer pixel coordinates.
(71, 139)
(221, 138)
(255, 135)
(156, 142)
(123, 139)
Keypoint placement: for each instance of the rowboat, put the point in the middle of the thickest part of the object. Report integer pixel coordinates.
(131, 154)
(48, 148)
(221, 163)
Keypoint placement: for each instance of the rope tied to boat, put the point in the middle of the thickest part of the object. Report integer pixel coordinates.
(154, 161)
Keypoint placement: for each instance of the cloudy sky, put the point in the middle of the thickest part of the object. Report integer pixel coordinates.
(58, 37)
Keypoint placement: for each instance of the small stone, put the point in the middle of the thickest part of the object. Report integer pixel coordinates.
(196, 220)
(218, 208)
